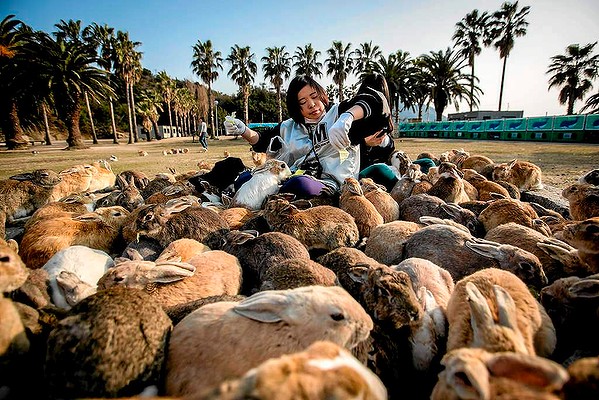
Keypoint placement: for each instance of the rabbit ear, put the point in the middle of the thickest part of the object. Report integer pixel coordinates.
(451, 209)
(484, 248)
(470, 380)
(506, 308)
(530, 370)
(585, 289)
(168, 271)
(558, 251)
(268, 306)
(480, 313)
(358, 274)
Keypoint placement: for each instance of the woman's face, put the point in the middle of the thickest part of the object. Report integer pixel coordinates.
(310, 104)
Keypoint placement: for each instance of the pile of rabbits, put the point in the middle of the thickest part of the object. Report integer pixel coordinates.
(199, 285)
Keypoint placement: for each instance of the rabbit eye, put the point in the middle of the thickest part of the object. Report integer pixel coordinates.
(337, 317)
(119, 279)
(5, 259)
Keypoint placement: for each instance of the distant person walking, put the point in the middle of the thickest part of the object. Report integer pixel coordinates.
(203, 134)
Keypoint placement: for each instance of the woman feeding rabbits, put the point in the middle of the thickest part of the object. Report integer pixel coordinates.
(318, 142)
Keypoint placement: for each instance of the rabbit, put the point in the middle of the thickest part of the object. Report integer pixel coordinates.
(353, 201)
(525, 175)
(265, 181)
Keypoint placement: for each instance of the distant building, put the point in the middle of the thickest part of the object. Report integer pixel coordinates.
(482, 115)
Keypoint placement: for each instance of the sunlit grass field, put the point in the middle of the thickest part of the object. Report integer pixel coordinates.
(561, 163)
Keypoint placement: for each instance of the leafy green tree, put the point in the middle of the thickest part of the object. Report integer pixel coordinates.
(574, 72)
(340, 64)
(71, 31)
(206, 63)
(11, 41)
(167, 88)
(149, 107)
(398, 69)
(102, 38)
(127, 63)
(366, 56)
(469, 34)
(243, 70)
(306, 61)
(592, 105)
(277, 68)
(505, 26)
(442, 71)
(67, 69)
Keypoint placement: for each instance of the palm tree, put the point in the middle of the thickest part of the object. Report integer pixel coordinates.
(467, 37)
(504, 26)
(11, 41)
(277, 68)
(339, 64)
(167, 87)
(102, 38)
(398, 69)
(149, 107)
(127, 63)
(243, 70)
(306, 61)
(574, 72)
(443, 73)
(592, 104)
(366, 56)
(67, 69)
(71, 31)
(206, 63)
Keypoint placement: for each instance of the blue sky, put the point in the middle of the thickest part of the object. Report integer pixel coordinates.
(169, 29)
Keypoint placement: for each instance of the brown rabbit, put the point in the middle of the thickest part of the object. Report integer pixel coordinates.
(523, 174)
(320, 227)
(583, 200)
(353, 202)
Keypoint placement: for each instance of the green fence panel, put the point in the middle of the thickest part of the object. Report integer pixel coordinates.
(568, 123)
(592, 122)
(567, 136)
(494, 128)
(475, 126)
(513, 135)
(515, 124)
(542, 136)
(539, 124)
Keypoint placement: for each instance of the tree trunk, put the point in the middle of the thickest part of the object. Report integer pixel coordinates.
(210, 110)
(246, 105)
(135, 137)
(129, 114)
(471, 84)
(502, 80)
(91, 119)
(46, 125)
(115, 136)
(340, 92)
(75, 140)
(279, 103)
(157, 135)
(571, 100)
(170, 117)
(15, 137)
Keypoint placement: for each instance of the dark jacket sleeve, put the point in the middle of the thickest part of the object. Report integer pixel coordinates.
(264, 139)
(374, 119)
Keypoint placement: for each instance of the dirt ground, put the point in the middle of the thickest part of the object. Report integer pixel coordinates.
(562, 163)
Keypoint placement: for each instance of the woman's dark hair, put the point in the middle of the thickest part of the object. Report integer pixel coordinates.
(376, 82)
(297, 84)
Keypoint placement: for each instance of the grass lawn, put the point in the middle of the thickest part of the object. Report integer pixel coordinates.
(562, 163)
